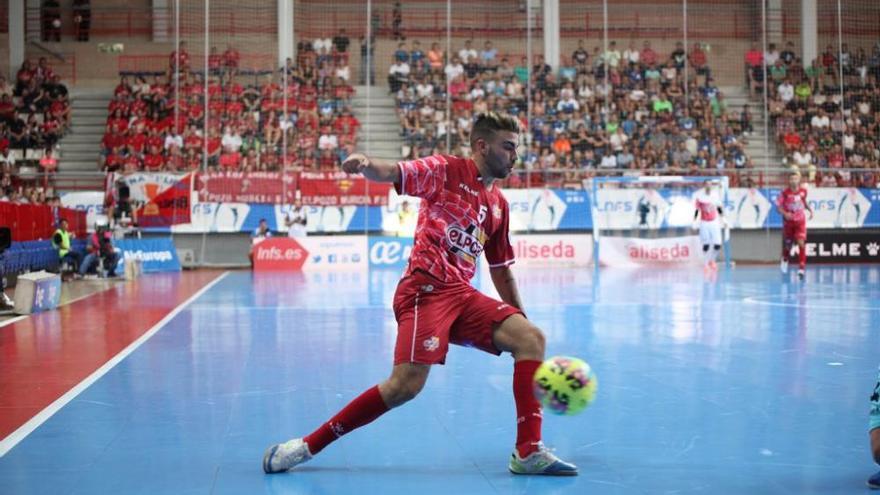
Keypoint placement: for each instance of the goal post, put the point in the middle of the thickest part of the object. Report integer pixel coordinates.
(648, 220)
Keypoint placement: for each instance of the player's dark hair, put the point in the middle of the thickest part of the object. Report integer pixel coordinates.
(487, 124)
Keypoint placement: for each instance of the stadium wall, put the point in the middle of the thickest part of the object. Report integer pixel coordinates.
(231, 249)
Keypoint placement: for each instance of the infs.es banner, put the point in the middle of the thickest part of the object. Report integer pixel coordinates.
(310, 253)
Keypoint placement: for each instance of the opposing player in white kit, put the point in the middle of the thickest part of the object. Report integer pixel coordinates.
(710, 215)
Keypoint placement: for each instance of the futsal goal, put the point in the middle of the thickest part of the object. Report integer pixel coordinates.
(649, 220)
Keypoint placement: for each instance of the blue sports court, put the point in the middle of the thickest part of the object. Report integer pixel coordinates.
(749, 383)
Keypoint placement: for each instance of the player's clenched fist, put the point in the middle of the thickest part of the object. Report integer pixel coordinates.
(355, 163)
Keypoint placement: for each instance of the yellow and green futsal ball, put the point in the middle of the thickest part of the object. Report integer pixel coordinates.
(565, 385)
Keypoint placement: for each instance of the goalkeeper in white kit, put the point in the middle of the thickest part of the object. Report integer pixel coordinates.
(709, 218)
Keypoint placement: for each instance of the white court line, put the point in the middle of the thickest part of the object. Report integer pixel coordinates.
(26, 429)
(808, 305)
(12, 320)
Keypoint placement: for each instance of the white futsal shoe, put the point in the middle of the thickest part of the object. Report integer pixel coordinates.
(801, 274)
(783, 266)
(541, 461)
(283, 456)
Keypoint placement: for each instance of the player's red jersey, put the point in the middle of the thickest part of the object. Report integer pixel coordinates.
(794, 203)
(459, 218)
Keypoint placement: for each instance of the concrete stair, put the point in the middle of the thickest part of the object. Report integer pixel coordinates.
(737, 97)
(81, 147)
(379, 135)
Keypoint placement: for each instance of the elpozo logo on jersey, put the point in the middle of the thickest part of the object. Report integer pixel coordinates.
(467, 244)
(390, 251)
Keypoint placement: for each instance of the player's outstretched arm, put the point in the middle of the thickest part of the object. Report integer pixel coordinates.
(505, 284)
(372, 168)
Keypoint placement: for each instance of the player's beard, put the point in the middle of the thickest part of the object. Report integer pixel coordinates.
(499, 166)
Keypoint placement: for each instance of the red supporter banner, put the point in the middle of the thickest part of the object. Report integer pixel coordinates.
(247, 187)
(315, 188)
(168, 207)
(341, 189)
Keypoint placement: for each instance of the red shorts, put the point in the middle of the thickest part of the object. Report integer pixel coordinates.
(431, 314)
(796, 231)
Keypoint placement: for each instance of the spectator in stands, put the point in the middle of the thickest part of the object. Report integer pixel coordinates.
(398, 74)
(397, 21)
(436, 56)
(82, 19)
(580, 58)
(179, 59)
(488, 56)
(231, 60)
(341, 41)
(788, 55)
(50, 13)
(48, 162)
(7, 161)
(828, 67)
(6, 89)
(699, 62)
(469, 58)
(771, 55)
(100, 249)
(678, 56)
(754, 59)
(612, 55)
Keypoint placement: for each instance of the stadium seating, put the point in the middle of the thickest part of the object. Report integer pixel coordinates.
(639, 119)
(150, 128)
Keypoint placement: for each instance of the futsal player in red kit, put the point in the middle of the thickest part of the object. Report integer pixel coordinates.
(462, 215)
(792, 202)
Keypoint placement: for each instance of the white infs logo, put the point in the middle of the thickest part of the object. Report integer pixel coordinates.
(873, 248)
(432, 344)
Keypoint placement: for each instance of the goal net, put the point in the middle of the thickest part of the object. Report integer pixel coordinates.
(649, 221)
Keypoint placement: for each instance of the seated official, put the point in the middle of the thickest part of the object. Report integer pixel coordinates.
(61, 242)
(100, 247)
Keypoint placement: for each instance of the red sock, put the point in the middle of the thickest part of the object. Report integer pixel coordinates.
(363, 410)
(786, 251)
(802, 257)
(528, 409)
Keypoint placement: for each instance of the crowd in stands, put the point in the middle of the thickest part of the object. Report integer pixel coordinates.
(298, 117)
(12, 190)
(628, 111)
(824, 123)
(34, 115)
